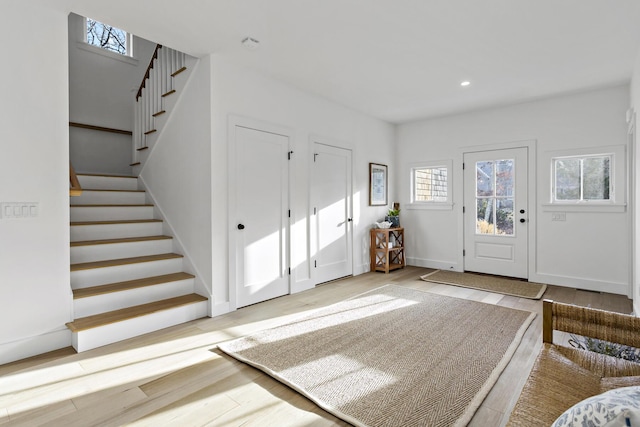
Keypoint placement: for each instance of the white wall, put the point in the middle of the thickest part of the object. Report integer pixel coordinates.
(35, 297)
(177, 175)
(102, 91)
(635, 104)
(93, 151)
(588, 250)
(242, 92)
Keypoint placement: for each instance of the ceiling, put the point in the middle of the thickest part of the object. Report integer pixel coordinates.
(402, 60)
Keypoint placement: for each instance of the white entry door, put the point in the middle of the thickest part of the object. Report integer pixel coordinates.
(331, 213)
(261, 227)
(496, 212)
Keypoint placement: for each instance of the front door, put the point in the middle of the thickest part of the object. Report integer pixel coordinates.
(331, 213)
(261, 224)
(496, 212)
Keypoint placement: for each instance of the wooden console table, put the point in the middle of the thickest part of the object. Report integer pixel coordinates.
(387, 249)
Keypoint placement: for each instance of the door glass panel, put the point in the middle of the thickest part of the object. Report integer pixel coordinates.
(484, 216)
(504, 217)
(495, 181)
(504, 178)
(484, 178)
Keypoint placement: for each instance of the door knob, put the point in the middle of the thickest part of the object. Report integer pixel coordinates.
(521, 210)
(523, 220)
(349, 219)
(240, 226)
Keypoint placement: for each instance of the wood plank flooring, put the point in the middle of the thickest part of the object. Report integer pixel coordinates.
(177, 377)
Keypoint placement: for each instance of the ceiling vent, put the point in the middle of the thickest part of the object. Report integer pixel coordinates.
(250, 43)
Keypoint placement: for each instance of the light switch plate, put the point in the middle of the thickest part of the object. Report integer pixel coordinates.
(18, 210)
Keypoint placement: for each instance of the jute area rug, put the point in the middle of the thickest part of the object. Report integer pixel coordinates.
(487, 283)
(393, 356)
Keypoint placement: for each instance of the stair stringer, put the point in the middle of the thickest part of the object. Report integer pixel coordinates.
(169, 103)
(189, 266)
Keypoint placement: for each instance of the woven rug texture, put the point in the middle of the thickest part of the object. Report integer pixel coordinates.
(499, 285)
(393, 356)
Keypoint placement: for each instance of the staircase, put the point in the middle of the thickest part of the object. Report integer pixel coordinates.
(125, 278)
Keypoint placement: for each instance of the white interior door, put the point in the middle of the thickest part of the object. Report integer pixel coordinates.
(496, 212)
(262, 220)
(331, 213)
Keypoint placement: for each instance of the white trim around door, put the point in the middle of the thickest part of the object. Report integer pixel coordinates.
(531, 210)
(259, 226)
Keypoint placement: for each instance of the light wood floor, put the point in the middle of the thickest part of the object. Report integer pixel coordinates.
(177, 377)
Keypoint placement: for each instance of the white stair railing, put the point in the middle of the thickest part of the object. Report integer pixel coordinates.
(156, 85)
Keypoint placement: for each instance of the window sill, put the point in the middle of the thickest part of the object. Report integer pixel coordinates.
(585, 207)
(108, 54)
(442, 206)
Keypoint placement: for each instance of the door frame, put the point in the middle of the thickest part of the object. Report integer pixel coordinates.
(531, 146)
(318, 139)
(232, 214)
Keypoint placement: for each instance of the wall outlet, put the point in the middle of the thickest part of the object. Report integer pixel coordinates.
(14, 210)
(558, 216)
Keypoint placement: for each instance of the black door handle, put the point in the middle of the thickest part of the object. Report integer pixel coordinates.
(521, 210)
(240, 226)
(349, 219)
(522, 220)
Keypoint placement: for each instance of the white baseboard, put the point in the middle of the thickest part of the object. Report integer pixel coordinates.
(301, 286)
(430, 263)
(361, 269)
(220, 308)
(580, 283)
(32, 346)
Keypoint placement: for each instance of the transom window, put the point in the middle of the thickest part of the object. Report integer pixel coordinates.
(582, 178)
(107, 37)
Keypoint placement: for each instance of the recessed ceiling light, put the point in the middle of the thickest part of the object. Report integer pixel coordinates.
(465, 83)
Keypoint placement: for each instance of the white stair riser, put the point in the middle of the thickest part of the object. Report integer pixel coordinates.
(108, 183)
(97, 337)
(89, 197)
(81, 233)
(101, 276)
(114, 213)
(104, 252)
(116, 300)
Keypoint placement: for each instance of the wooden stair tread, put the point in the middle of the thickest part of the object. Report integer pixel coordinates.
(134, 164)
(175, 73)
(109, 206)
(142, 148)
(159, 113)
(123, 221)
(129, 284)
(106, 175)
(110, 317)
(122, 261)
(169, 93)
(151, 131)
(121, 240)
(115, 190)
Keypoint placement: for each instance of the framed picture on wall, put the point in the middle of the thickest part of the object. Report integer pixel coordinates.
(377, 184)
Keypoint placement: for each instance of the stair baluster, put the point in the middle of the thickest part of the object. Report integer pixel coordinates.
(150, 99)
